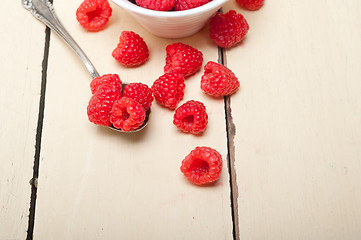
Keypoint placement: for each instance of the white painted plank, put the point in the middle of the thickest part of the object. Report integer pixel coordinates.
(95, 183)
(298, 121)
(21, 53)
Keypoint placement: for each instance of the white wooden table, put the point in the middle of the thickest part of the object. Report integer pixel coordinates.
(290, 137)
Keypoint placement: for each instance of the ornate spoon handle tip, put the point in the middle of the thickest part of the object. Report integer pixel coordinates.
(43, 10)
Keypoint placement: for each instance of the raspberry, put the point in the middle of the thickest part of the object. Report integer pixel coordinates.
(226, 30)
(131, 50)
(168, 89)
(140, 93)
(251, 4)
(203, 165)
(93, 15)
(106, 79)
(158, 5)
(191, 117)
(183, 59)
(101, 103)
(188, 4)
(218, 80)
(127, 114)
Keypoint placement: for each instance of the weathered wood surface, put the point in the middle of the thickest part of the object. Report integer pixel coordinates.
(95, 183)
(295, 153)
(21, 54)
(298, 121)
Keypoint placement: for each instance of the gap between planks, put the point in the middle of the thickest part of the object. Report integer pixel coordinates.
(231, 132)
(39, 131)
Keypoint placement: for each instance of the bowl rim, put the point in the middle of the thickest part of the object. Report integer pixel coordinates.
(169, 14)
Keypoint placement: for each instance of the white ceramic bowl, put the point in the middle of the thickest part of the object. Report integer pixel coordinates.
(172, 24)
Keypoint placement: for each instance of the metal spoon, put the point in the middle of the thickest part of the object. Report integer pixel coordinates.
(43, 10)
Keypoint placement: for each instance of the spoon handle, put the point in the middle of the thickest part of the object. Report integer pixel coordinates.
(43, 10)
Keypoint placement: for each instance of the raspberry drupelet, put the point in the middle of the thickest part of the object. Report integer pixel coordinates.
(93, 15)
(106, 79)
(101, 103)
(202, 165)
(158, 5)
(228, 29)
(183, 58)
(218, 80)
(127, 114)
(251, 5)
(191, 117)
(181, 5)
(168, 89)
(131, 50)
(139, 92)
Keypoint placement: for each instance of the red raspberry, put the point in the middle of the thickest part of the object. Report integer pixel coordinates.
(127, 114)
(106, 79)
(183, 59)
(100, 105)
(140, 93)
(168, 89)
(226, 30)
(188, 4)
(251, 4)
(218, 80)
(191, 117)
(159, 5)
(131, 50)
(93, 15)
(203, 165)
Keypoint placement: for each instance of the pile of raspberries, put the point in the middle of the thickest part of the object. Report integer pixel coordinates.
(126, 106)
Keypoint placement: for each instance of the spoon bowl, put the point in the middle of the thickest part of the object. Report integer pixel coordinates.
(44, 11)
(147, 116)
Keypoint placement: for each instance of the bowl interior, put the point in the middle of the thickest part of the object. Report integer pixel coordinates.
(172, 24)
(212, 5)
